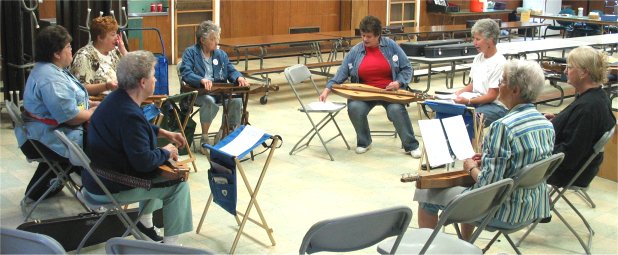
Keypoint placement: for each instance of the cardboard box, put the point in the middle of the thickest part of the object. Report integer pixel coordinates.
(609, 167)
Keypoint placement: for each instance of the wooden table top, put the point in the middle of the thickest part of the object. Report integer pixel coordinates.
(267, 40)
(576, 19)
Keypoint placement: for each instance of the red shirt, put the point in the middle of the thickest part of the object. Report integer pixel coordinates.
(374, 70)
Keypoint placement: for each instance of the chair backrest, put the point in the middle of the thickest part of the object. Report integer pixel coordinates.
(297, 74)
(79, 158)
(472, 206)
(597, 148)
(14, 241)
(15, 114)
(537, 172)
(358, 231)
(178, 65)
(118, 245)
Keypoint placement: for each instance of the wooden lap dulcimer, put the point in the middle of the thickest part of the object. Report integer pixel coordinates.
(229, 88)
(174, 170)
(362, 92)
(441, 180)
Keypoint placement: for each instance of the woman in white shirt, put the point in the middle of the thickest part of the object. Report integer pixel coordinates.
(486, 73)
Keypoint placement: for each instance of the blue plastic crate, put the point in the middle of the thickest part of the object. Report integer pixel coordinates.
(161, 73)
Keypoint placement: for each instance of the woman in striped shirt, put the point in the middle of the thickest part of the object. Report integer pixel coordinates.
(518, 139)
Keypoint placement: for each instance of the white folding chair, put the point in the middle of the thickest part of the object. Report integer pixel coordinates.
(467, 207)
(119, 246)
(355, 232)
(61, 173)
(14, 241)
(296, 75)
(558, 193)
(79, 158)
(531, 176)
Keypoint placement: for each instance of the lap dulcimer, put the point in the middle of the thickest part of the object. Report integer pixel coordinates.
(440, 180)
(229, 88)
(174, 170)
(362, 92)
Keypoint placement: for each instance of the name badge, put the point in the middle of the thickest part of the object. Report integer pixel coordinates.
(395, 58)
(215, 61)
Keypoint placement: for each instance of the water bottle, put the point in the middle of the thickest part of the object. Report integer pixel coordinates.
(580, 12)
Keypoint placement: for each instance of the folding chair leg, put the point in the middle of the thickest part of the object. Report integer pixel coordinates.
(315, 130)
(491, 242)
(581, 242)
(586, 197)
(532, 227)
(36, 203)
(508, 238)
(199, 226)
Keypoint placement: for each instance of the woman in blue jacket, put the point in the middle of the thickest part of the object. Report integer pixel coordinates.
(203, 64)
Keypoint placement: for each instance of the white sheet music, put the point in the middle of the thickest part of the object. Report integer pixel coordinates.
(244, 141)
(323, 106)
(435, 142)
(458, 138)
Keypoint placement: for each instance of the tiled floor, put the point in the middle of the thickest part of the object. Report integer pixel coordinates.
(307, 187)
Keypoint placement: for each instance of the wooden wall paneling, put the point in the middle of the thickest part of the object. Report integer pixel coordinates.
(359, 11)
(377, 8)
(250, 18)
(283, 16)
(47, 9)
(151, 39)
(345, 15)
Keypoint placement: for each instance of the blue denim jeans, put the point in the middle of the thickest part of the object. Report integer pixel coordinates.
(397, 113)
(492, 112)
(209, 109)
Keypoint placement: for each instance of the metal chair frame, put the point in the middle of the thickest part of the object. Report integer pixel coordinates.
(296, 75)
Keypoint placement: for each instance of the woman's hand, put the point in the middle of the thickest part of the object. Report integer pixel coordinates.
(111, 85)
(173, 151)
(461, 100)
(206, 83)
(120, 44)
(469, 164)
(324, 94)
(242, 82)
(174, 137)
(394, 85)
(549, 116)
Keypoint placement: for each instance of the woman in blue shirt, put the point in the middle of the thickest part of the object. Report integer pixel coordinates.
(53, 100)
(203, 64)
(520, 138)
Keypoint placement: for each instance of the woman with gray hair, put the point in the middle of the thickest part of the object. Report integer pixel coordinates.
(203, 64)
(120, 140)
(520, 138)
(485, 73)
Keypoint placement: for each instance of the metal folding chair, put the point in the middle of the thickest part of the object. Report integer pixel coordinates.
(79, 158)
(222, 177)
(355, 232)
(62, 174)
(296, 75)
(529, 177)
(559, 192)
(119, 246)
(16, 241)
(465, 208)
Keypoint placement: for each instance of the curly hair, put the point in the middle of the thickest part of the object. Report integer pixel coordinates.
(371, 24)
(50, 40)
(133, 67)
(207, 29)
(101, 26)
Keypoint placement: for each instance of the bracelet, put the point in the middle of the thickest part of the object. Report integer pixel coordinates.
(470, 171)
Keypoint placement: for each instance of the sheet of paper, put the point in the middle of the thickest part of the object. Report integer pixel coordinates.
(435, 142)
(449, 96)
(244, 141)
(469, 95)
(458, 138)
(323, 106)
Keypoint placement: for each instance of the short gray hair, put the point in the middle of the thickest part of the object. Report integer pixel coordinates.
(526, 75)
(133, 67)
(207, 28)
(488, 28)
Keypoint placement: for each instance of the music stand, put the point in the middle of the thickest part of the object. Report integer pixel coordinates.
(444, 110)
(225, 160)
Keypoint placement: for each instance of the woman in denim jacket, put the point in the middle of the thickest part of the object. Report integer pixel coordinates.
(203, 64)
(377, 61)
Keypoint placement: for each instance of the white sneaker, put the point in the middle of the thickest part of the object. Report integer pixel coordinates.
(76, 178)
(416, 153)
(361, 150)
